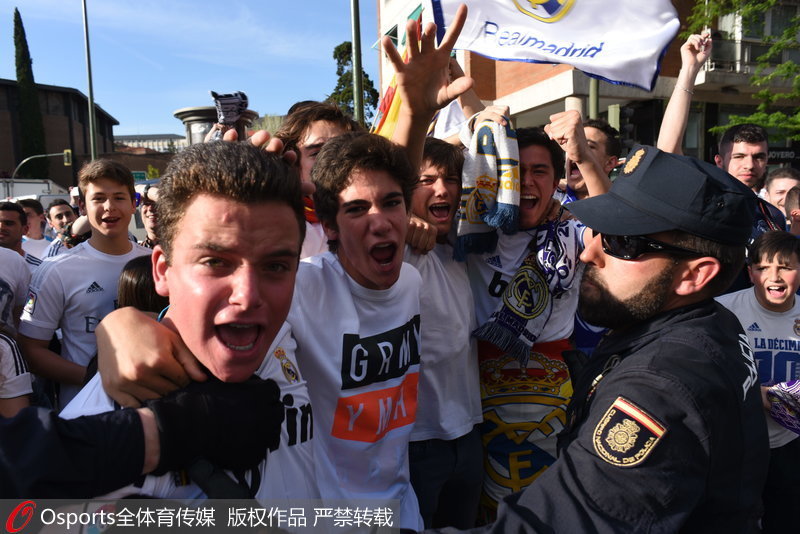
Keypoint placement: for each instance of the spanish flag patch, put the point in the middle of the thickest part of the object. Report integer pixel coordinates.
(626, 434)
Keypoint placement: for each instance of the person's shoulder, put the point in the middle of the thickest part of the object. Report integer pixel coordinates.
(730, 300)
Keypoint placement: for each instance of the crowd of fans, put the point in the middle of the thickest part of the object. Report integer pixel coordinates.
(424, 348)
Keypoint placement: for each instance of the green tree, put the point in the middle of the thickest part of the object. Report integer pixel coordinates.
(152, 172)
(30, 113)
(342, 94)
(778, 80)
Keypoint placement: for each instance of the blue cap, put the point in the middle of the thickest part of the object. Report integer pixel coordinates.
(657, 191)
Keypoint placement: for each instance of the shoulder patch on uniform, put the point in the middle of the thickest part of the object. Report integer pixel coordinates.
(30, 303)
(626, 434)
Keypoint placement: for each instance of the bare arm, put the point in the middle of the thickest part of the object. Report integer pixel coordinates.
(10, 407)
(152, 444)
(46, 363)
(424, 82)
(567, 129)
(694, 52)
(155, 365)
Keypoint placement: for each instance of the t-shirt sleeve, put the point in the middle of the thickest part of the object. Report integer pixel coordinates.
(44, 305)
(15, 380)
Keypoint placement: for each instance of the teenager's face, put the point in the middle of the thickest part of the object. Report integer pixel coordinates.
(11, 229)
(436, 197)
(231, 280)
(747, 162)
(109, 207)
(60, 216)
(371, 233)
(34, 221)
(312, 140)
(775, 282)
(776, 192)
(538, 183)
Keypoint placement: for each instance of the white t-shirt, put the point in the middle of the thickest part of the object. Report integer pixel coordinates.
(32, 261)
(14, 280)
(775, 340)
(315, 241)
(449, 391)
(15, 380)
(73, 292)
(286, 473)
(490, 273)
(359, 350)
(36, 246)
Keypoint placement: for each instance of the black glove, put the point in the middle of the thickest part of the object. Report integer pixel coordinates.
(232, 425)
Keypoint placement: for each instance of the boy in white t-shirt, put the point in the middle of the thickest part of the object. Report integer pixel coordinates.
(770, 314)
(230, 228)
(75, 290)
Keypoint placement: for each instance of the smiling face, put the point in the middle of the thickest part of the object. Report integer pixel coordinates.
(312, 140)
(776, 192)
(230, 280)
(371, 229)
(436, 198)
(538, 181)
(60, 216)
(775, 282)
(149, 217)
(109, 207)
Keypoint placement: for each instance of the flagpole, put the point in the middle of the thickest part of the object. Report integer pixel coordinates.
(358, 91)
(92, 133)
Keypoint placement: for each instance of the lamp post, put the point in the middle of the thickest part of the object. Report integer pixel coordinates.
(92, 133)
(358, 91)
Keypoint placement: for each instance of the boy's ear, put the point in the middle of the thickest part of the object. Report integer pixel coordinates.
(160, 268)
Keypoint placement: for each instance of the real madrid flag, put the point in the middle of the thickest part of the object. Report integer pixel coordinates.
(620, 42)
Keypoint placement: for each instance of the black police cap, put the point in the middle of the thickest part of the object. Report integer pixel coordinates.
(657, 191)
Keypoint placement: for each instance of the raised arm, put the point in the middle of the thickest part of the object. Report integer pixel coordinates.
(566, 128)
(694, 52)
(424, 82)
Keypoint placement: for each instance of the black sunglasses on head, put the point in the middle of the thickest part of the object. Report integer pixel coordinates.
(630, 247)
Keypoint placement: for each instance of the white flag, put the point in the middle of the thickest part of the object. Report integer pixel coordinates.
(620, 41)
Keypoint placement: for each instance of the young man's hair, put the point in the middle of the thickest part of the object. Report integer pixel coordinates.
(792, 200)
(613, 143)
(303, 114)
(235, 171)
(775, 245)
(742, 133)
(56, 202)
(782, 172)
(346, 154)
(536, 136)
(136, 286)
(109, 169)
(13, 206)
(33, 204)
(731, 259)
(444, 155)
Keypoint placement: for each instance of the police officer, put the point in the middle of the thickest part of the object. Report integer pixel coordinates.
(665, 432)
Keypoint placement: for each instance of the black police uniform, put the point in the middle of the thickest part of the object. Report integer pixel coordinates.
(44, 456)
(665, 434)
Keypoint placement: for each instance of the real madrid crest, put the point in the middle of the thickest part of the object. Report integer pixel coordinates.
(288, 368)
(626, 434)
(796, 327)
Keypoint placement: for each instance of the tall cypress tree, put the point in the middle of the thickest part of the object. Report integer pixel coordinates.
(30, 113)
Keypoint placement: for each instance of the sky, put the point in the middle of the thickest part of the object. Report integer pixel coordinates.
(152, 57)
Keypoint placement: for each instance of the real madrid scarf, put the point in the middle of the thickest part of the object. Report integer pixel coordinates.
(527, 301)
(490, 192)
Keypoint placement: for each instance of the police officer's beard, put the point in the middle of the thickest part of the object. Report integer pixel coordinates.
(599, 307)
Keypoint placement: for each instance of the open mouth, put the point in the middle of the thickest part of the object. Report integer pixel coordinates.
(440, 210)
(776, 292)
(110, 220)
(383, 253)
(238, 336)
(574, 173)
(528, 202)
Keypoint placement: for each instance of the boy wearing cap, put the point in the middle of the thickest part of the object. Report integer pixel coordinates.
(770, 314)
(665, 430)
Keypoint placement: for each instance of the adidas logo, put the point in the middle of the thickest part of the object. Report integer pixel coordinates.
(753, 328)
(495, 260)
(94, 288)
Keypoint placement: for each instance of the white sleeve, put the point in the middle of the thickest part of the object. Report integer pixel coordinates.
(15, 380)
(45, 303)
